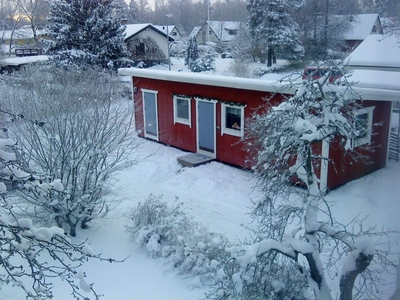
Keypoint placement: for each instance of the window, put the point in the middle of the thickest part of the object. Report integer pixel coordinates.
(182, 110)
(140, 48)
(232, 119)
(363, 126)
(232, 31)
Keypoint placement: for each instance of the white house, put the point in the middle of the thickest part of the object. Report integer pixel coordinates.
(218, 31)
(147, 43)
(171, 30)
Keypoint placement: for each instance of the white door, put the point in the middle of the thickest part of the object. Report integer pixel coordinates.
(150, 114)
(206, 128)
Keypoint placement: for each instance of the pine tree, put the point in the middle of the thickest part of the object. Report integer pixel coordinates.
(87, 32)
(274, 29)
(192, 52)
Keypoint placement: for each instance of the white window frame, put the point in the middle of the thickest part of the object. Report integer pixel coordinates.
(365, 139)
(182, 120)
(230, 131)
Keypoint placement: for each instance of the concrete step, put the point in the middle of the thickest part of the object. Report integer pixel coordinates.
(194, 159)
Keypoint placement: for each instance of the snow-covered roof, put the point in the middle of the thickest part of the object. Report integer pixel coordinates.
(376, 52)
(222, 28)
(17, 61)
(23, 33)
(384, 80)
(163, 28)
(362, 26)
(195, 31)
(372, 85)
(132, 29)
(207, 79)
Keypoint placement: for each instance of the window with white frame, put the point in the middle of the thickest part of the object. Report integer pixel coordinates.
(232, 119)
(182, 110)
(363, 126)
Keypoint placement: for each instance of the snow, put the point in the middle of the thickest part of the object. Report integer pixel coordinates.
(219, 197)
(216, 195)
(16, 61)
(362, 25)
(132, 29)
(376, 51)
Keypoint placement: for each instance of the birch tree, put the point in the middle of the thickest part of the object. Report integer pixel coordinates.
(296, 227)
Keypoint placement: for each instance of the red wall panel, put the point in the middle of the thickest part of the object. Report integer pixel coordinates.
(347, 166)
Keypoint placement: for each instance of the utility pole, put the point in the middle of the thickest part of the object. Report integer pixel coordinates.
(208, 22)
(169, 58)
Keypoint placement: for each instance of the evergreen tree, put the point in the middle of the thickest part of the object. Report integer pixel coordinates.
(192, 52)
(274, 29)
(87, 32)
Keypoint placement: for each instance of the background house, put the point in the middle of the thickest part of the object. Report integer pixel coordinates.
(146, 43)
(218, 31)
(361, 26)
(376, 67)
(173, 31)
(21, 38)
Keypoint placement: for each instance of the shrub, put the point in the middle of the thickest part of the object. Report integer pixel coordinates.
(170, 233)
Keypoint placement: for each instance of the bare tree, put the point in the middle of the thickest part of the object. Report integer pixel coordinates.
(35, 13)
(32, 257)
(83, 135)
(296, 227)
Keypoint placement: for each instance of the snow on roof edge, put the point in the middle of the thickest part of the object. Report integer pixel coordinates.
(212, 80)
(272, 86)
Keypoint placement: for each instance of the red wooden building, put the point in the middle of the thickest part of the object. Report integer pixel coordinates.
(205, 114)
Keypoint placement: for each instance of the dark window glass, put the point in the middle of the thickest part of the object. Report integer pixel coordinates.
(140, 49)
(182, 107)
(362, 125)
(233, 118)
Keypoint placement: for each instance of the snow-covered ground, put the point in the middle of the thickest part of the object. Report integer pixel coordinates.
(216, 195)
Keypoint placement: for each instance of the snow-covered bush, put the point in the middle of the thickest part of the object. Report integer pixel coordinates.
(204, 63)
(83, 134)
(32, 255)
(192, 52)
(239, 68)
(178, 48)
(260, 71)
(170, 233)
(151, 51)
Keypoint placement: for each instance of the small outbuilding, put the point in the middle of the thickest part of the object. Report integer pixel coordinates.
(206, 114)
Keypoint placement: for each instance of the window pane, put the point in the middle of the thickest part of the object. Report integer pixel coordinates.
(182, 106)
(233, 118)
(361, 125)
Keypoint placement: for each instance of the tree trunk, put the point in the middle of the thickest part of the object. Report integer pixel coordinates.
(347, 280)
(269, 62)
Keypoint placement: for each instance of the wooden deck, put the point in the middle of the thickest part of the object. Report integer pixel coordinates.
(194, 159)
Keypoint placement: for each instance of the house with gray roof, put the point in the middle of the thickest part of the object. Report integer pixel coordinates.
(146, 43)
(218, 31)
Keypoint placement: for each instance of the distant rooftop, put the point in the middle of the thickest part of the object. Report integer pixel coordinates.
(362, 26)
(376, 51)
